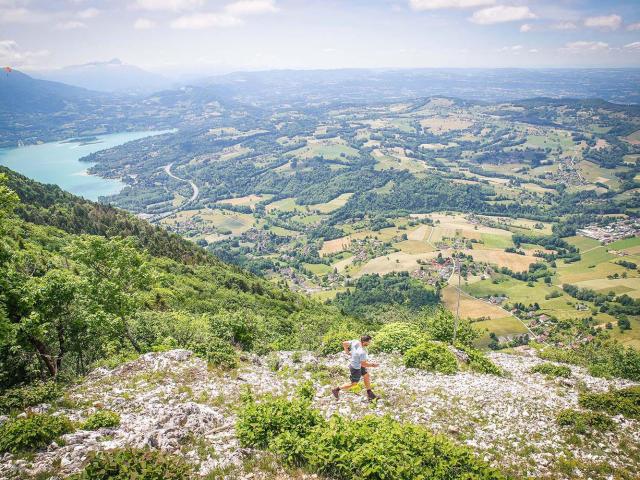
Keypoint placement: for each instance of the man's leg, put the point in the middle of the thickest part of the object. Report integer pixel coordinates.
(355, 375)
(367, 385)
(367, 381)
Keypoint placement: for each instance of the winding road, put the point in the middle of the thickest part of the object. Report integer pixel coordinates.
(194, 195)
(194, 187)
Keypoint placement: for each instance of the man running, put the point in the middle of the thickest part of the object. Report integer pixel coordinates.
(357, 366)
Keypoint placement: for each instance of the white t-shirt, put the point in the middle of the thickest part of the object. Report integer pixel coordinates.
(358, 354)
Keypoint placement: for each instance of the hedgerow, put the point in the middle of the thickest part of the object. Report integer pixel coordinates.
(32, 432)
(371, 448)
(431, 356)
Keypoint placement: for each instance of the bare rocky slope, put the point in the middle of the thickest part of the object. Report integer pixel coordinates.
(175, 402)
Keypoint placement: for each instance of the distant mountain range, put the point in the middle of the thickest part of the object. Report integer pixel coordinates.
(111, 76)
(22, 94)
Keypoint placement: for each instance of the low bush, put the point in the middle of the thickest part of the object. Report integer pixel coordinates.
(602, 357)
(371, 448)
(32, 432)
(260, 423)
(397, 337)
(431, 356)
(552, 370)
(217, 352)
(615, 402)
(585, 422)
(101, 419)
(332, 341)
(478, 361)
(130, 463)
(20, 398)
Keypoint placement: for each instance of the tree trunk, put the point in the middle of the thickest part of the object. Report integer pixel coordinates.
(43, 354)
(127, 333)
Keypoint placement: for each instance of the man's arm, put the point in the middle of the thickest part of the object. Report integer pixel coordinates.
(346, 346)
(366, 363)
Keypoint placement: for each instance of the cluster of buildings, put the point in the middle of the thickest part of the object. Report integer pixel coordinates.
(612, 232)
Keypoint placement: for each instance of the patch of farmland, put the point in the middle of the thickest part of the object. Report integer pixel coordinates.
(335, 245)
(330, 149)
(517, 263)
(419, 233)
(414, 246)
(247, 200)
(332, 205)
(630, 286)
(285, 205)
(391, 160)
(502, 327)
(634, 138)
(394, 262)
(445, 124)
(470, 307)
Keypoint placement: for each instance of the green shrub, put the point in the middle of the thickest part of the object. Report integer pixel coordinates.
(603, 358)
(101, 419)
(32, 432)
(440, 325)
(431, 356)
(397, 337)
(332, 341)
(260, 423)
(218, 352)
(478, 361)
(615, 402)
(377, 448)
(20, 398)
(306, 390)
(584, 422)
(552, 370)
(372, 448)
(130, 463)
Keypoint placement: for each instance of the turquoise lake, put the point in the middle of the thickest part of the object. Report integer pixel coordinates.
(58, 163)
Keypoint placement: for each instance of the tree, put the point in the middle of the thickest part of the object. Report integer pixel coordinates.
(116, 273)
(54, 322)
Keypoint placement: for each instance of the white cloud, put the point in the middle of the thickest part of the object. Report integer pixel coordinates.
(144, 24)
(609, 22)
(10, 54)
(564, 26)
(500, 14)
(442, 4)
(205, 20)
(170, 5)
(534, 50)
(633, 46)
(512, 48)
(88, 13)
(633, 26)
(71, 25)
(21, 15)
(526, 27)
(251, 7)
(584, 46)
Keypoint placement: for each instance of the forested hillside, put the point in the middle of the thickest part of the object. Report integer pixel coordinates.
(83, 282)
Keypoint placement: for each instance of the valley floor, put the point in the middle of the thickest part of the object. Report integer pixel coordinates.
(173, 401)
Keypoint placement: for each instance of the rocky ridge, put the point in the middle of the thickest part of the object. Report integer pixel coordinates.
(175, 402)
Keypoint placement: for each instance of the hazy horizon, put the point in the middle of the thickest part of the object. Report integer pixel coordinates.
(209, 37)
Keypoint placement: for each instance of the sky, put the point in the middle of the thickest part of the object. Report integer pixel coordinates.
(208, 36)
